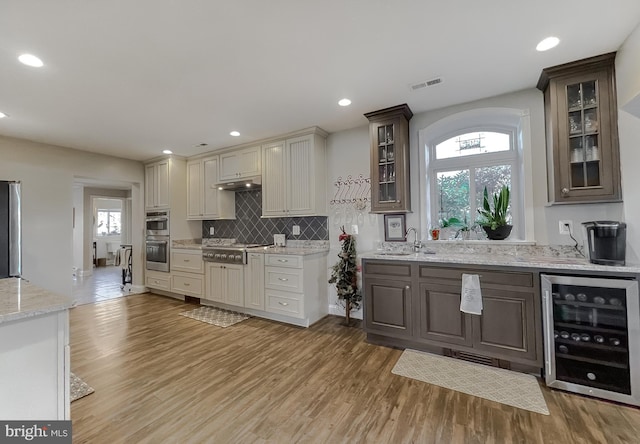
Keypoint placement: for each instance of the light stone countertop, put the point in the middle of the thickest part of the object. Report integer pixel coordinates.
(19, 299)
(187, 244)
(542, 262)
(297, 251)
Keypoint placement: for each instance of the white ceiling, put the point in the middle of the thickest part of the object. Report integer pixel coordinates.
(131, 77)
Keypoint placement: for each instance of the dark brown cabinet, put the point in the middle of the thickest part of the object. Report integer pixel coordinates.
(388, 300)
(582, 132)
(390, 179)
(440, 317)
(509, 329)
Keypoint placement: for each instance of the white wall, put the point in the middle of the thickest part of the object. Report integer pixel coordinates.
(47, 173)
(628, 87)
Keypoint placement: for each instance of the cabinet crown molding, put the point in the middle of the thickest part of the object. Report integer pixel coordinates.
(402, 110)
(571, 68)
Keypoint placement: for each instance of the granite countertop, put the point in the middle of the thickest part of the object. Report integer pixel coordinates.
(19, 299)
(543, 262)
(297, 251)
(187, 244)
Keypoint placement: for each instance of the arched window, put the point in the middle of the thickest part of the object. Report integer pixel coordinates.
(463, 154)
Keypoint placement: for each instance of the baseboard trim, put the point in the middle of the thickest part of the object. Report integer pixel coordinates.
(84, 273)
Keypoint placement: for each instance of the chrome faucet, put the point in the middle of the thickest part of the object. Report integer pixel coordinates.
(416, 243)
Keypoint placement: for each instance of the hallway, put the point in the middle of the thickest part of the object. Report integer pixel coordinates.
(104, 284)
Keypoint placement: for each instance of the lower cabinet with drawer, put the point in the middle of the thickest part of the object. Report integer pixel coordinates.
(158, 280)
(296, 287)
(419, 303)
(187, 272)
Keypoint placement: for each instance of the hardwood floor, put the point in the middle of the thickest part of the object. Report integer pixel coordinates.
(163, 378)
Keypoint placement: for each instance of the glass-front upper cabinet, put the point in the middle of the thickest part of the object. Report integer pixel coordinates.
(389, 133)
(582, 135)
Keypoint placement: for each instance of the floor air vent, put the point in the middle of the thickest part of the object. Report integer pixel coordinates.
(478, 359)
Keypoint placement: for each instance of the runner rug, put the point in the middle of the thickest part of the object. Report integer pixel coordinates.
(79, 388)
(215, 316)
(495, 384)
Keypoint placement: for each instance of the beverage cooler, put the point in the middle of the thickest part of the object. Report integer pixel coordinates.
(592, 336)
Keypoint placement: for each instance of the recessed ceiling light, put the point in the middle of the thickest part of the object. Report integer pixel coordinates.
(234, 133)
(548, 43)
(2, 115)
(248, 185)
(167, 152)
(344, 102)
(30, 60)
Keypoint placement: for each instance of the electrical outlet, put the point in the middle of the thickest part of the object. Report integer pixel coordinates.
(211, 231)
(354, 229)
(566, 226)
(296, 230)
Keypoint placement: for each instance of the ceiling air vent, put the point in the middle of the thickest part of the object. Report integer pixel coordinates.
(420, 85)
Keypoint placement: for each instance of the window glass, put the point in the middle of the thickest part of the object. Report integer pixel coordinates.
(473, 143)
(453, 195)
(108, 223)
(494, 178)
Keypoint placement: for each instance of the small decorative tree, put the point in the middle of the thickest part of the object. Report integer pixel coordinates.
(345, 275)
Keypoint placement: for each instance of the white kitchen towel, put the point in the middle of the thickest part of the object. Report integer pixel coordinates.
(471, 297)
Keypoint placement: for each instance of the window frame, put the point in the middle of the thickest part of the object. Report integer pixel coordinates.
(515, 123)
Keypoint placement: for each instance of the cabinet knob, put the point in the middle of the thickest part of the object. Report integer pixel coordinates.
(565, 191)
(407, 287)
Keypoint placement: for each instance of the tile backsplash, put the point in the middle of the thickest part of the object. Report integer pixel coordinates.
(249, 227)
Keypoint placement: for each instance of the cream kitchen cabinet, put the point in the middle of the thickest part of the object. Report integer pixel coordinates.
(225, 283)
(158, 280)
(204, 200)
(254, 282)
(296, 286)
(239, 164)
(156, 181)
(187, 272)
(294, 176)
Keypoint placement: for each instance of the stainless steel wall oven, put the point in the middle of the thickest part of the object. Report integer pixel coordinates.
(592, 336)
(157, 252)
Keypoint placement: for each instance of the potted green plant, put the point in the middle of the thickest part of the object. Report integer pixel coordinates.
(494, 220)
(462, 227)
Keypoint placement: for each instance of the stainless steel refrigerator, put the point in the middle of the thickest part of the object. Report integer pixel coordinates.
(10, 229)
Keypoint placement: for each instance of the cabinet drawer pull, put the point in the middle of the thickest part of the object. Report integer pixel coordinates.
(284, 304)
(187, 260)
(565, 191)
(186, 284)
(283, 279)
(283, 260)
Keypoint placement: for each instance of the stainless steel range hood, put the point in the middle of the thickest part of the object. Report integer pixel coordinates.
(244, 184)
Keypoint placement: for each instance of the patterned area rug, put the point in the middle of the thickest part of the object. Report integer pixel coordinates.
(79, 388)
(495, 384)
(215, 316)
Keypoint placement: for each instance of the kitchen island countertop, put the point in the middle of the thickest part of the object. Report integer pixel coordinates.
(21, 299)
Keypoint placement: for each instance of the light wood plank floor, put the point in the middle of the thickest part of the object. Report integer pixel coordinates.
(163, 378)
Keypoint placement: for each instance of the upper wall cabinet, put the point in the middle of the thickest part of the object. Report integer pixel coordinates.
(204, 200)
(390, 180)
(582, 131)
(239, 164)
(157, 184)
(294, 176)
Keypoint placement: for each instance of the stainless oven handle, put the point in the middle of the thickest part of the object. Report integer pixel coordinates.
(156, 242)
(157, 219)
